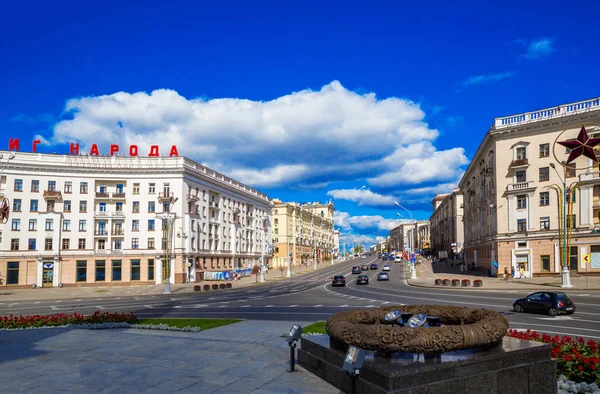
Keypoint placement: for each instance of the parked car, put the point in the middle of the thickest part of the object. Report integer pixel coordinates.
(338, 280)
(356, 269)
(364, 267)
(383, 276)
(386, 267)
(547, 302)
(373, 266)
(362, 280)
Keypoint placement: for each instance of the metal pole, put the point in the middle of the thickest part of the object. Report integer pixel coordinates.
(289, 265)
(292, 356)
(166, 272)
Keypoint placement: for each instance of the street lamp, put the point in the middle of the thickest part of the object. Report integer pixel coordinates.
(566, 274)
(262, 252)
(167, 222)
(413, 271)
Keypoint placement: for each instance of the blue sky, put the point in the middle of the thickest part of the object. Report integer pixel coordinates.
(361, 104)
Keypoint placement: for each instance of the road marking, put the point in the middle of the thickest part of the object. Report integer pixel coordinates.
(316, 306)
(222, 306)
(370, 306)
(384, 302)
(177, 306)
(58, 301)
(269, 306)
(78, 300)
(101, 307)
(555, 318)
(343, 306)
(246, 306)
(293, 306)
(199, 306)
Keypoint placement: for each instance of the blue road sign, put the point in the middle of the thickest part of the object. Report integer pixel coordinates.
(412, 259)
(412, 256)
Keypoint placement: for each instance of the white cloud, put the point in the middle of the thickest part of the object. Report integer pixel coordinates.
(305, 138)
(362, 197)
(346, 222)
(539, 48)
(43, 141)
(484, 79)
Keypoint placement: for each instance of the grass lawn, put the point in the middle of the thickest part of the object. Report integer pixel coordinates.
(204, 324)
(316, 328)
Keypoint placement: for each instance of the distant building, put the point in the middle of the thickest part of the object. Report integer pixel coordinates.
(447, 231)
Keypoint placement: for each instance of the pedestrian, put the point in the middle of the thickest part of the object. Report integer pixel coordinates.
(505, 273)
(512, 272)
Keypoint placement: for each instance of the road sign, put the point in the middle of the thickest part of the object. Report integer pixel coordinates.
(585, 259)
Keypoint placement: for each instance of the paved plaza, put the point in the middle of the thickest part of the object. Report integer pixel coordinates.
(247, 357)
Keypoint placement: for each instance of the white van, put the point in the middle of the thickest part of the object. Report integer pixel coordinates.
(398, 259)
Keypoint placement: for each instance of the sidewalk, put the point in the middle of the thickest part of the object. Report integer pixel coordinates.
(426, 275)
(55, 293)
(246, 357)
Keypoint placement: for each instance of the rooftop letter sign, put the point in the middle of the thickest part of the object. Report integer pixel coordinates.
(14, 145)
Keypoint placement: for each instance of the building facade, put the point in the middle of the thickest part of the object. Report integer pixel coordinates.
(513, 190)
(396, 240)
(302, 233)
(446, 221)
(416, 236)
(109, 220)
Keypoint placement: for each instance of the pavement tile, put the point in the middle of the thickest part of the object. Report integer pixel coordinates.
(201, 388)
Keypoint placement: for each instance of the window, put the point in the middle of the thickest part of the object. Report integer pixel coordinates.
(102, 207)
(571, 170)
(16, 225)
(544, 150)
(152, 188)
(101, 244)
(18, 185)
(52, 186)
(136, 188)
(82, 206)
(50, 206)
(151, 269)
(67, 206)
(150, 243)
(544, 199)
(572, 193)
(82, 225)
(120, 188)
(136, 207)
(118, 244)
(276, 222)
(521, 176)
(135, 243)
(12, 273)
(81, 243)
(151, 207)
(17, 205)
(81, 271)
(135, 225)
(119, 206)
(100, 270)
(521, 153)
(150, 224)
(32, 224)
(521, 202)
(545, 223)
(544, 174)
(48, 244)
(66, 244)
(116, 270)
(83, 187)
(31, 244)
(276, 231)
(14, 244)
(66, 225)
(135, 269)
(68, 187)
(572, 221)
(167, 206)
(35, 186)
(545, 263)
(521, 225)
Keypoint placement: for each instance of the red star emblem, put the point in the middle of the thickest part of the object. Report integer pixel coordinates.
(583, 145)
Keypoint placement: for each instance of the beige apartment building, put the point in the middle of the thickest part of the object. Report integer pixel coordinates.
(396, 240)
(510, 205)
(302, 232)
(447, 232)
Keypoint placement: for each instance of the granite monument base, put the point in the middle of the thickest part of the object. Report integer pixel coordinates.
(515, 366)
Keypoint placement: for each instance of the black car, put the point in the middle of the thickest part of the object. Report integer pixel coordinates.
(373, 266)
(362, 280)
(383, 276)
(364, 267)
(384, 257)
(547, 302)
(356, 269)
(338, 280)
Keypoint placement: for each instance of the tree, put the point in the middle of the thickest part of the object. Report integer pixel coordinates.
(255, 271)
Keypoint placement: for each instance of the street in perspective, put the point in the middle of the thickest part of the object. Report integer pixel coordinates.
(263, 197)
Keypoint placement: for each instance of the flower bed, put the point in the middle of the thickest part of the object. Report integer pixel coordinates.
(466, 283)
(197, 288)
(206, 287)
(60, 319)
(446, 282)
(577, 360)
(229, 286)
(438, 282)
(215, 287)
(477, 283)
(455, 282)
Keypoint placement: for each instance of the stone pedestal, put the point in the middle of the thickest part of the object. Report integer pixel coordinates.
(513, 367)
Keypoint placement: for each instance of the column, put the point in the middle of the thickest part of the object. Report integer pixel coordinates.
(585, 207)
(530, 204)
(158, 269)
(56, 274)
(511, 213)
(40, 272)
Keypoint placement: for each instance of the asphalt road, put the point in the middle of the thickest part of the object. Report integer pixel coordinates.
(311, 297)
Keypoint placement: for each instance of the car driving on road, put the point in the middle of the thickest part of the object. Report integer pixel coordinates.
(383, 276)
(552, 303)
(364, 267)
(362, 280)
(338, 280)
(356, 269)
(386, 267)
(373, 266)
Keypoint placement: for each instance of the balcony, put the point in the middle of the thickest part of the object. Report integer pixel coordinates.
(102, 195)
(520, 187)
(118, 214)
(119, 232)
(101, 233)
(213, 204)
(166, 197)
(192, 197)
(519, 163)
(591, 177)
(489, 171)
(52, 194)
(118, 195)
(109, 214)
(214, 220)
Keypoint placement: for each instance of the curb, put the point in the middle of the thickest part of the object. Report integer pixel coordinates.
(498, 288)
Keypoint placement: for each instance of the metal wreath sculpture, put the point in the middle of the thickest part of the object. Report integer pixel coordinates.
(5, 210)
(463, 328)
